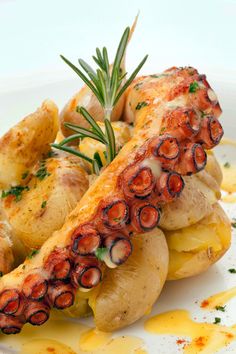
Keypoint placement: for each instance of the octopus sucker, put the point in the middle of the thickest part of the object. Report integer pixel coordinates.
(86, 240)
(10, 324)
(211, 132)
(119, 248)
(182, 123)
(166, 149)
(114, 214)
(61, 295)
(9, 301)
(144, 216)
(36, 313)
(86, 273)
(35, 287)
(175, 119)
(169, 186)
(193, 159)
(137, 181)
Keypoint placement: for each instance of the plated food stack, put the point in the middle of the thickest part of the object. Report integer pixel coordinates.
(175, 116)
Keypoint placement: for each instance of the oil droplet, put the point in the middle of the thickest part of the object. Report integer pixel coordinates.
(45, 346)
(219, 299)
(93, 339)
(205, 337)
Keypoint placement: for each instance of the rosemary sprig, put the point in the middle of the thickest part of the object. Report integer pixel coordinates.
(108, 84)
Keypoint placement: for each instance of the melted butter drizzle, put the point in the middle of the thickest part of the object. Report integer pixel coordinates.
(59, 336)
(219, 299)
(206, 338)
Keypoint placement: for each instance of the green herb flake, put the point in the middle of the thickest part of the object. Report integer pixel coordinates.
(16, 192)
(193, 87)
(138, 85)
(232, 270)
(23, 267)
(43, 205)
(220, 308)
(233, 223)
(101, 252)
(1, 274)
(227, 165)
(25, 174)
(141, 105)
(42, 171)
(217, 320)
(117, 219)
(32, 253)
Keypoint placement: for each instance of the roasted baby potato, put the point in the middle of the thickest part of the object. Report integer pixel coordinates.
(130, 290)
(24, 144)
(87, 99)
(213, 167)
(195, 202)
(6, 252)
(195, 248)
(52, 191)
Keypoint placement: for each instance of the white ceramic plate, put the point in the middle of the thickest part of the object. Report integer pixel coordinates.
(185, 294)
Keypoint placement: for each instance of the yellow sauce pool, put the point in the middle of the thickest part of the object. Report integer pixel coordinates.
(204, 338)
(59, 336)
(219, 299)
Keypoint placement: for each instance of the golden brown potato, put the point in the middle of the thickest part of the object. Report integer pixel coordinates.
(26, 142)
(86, 99)
(195, 248)
(195, 202)
(55, 187)
(130, 290)
(213, 168)
(6, 252)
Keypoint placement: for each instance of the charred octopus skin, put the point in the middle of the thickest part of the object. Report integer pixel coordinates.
(175, 117)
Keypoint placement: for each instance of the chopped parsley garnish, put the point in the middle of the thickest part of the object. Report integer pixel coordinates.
(220, 308)
(117, 219)
(233, 223)
(100, 253)
(16, 192)
(141, 105)
(138, 85)
(193, 87)
(44, 203)
(1, 273)
(227, 165)
(25, 174)
(32, 254)
(42, 171)
(162, 129)
(232, 270)
(217, 320)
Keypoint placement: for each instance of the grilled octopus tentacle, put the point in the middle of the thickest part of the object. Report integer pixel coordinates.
(175, 118)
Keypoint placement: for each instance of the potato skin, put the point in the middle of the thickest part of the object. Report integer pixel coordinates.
(130, 290)
(195, 202)
(186, 262)
(6, 252)
(26, 142)
(31, 221)
(86, 99)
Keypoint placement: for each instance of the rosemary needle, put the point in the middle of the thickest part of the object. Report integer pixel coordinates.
(108, 84)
